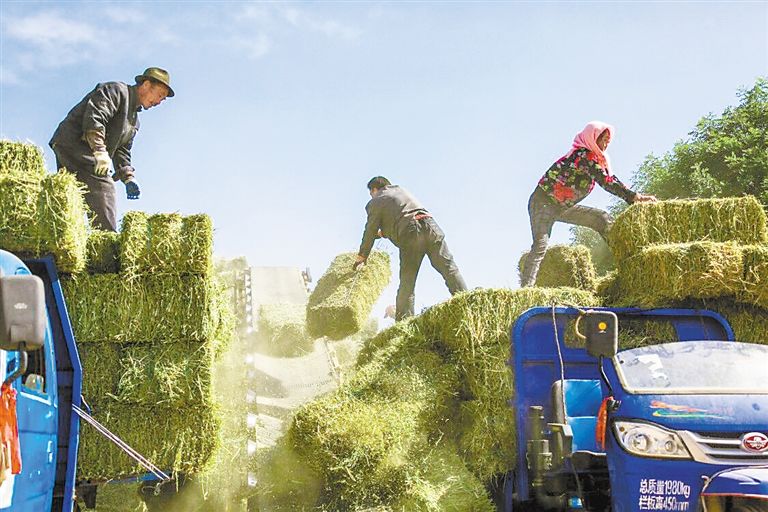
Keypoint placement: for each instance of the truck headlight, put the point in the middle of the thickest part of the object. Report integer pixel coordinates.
(649, 440)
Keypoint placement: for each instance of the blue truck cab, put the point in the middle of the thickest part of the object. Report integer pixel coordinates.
(677, 426)
(39, 360)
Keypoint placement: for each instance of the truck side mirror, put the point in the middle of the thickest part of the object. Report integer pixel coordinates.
(601, 330)
(22, 312)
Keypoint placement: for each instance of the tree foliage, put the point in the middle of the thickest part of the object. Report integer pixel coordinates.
(724, 155)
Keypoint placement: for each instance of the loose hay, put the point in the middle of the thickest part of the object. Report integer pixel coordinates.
(286, 483)
(565, 265)
(733, 219)
(442, 482)
(341, 302)
(166, 243)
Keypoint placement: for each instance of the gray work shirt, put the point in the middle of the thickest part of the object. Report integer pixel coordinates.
(111, 108)
(392, 212)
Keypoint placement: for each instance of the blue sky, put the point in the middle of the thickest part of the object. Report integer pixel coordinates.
(285, 110)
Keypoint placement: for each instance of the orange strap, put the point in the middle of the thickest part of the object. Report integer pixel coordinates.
(602, 423)
(9, 426)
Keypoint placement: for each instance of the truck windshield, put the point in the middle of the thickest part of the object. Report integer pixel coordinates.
(693, 367)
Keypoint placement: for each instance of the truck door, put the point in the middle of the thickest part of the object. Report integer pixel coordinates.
(36, 408)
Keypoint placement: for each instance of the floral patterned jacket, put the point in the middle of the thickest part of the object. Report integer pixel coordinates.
(571, 179)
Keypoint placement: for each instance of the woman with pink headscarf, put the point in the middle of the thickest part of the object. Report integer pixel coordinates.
(566, 183)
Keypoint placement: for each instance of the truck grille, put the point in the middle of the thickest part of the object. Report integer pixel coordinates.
(720, 448)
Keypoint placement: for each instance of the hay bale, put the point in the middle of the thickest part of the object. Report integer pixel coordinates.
(565, 265)
(755, 289)
(62, 221)
(44, 217)
(101, 370)
(733, 219)
(167, 374)
(166, 243)
(608, 287)
(177, 374)
(21, 161)
(284, 328)
(19, 218)
(341, 302)
(442, 482)
(102, 252)
(175, 439)
(155, 308)
(660, 274)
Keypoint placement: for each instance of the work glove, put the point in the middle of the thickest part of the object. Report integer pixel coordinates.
(103, 163)
(358, 262)
(132, 189)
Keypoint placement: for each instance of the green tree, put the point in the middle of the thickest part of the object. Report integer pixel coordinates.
(724, 155)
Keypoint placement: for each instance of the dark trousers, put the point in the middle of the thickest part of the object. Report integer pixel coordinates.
(544, 212)
(424, 238)
(100, 193)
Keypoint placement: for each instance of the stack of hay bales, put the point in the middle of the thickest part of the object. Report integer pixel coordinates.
(706, 253)
(40, 213)
(424, 424)
(341, 302)
(148, 337)
(564, 265)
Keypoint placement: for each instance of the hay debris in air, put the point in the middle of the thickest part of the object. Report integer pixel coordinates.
(733, 219)
(565, 265)
(343, 299)
(283, 329)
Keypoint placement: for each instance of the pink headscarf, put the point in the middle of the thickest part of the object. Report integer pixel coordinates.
(587, 138)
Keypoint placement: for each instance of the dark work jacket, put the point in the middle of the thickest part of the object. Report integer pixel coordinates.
(110, 108)
(393, 213)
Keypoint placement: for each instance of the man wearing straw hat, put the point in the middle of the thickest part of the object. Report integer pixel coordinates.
(98, 134)
(395, 214)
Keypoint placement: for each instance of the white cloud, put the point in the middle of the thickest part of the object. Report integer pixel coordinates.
(8, 77)
(301, 19)
(48, 40)
(124, 15)
(257, 13)
(47, 29)
(255, 47)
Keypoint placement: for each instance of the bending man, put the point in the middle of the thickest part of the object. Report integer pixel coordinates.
(395, 214)
(98, 133)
